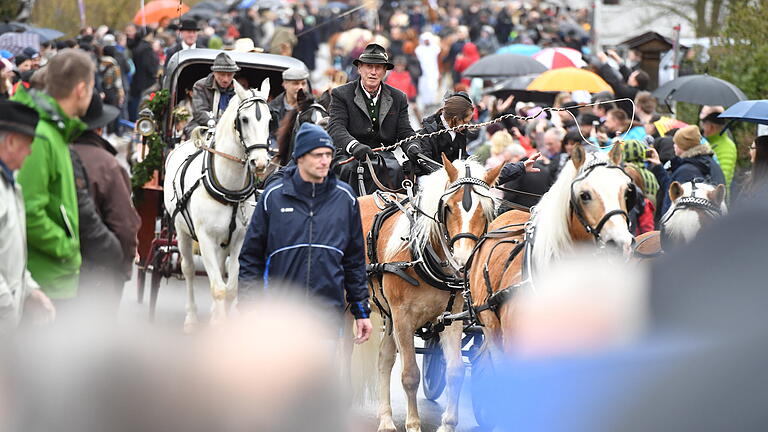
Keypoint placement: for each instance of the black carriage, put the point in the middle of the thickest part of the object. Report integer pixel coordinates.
(158, 253)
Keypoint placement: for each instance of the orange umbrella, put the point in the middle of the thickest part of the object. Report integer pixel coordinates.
(156, 10)
(569, 79)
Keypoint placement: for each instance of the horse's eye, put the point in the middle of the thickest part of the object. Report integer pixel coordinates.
(245, 120)
(585, 196)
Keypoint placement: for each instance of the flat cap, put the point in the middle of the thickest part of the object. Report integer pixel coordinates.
(295, 74)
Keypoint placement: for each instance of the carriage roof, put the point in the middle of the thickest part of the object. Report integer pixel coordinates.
(188, 66)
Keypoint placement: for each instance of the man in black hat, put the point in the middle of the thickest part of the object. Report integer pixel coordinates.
(367, 114)
(211, 95)
(108, 188)
(188, 33)
(17, 288)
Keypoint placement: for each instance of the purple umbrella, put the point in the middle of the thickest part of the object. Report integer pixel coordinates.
(16, 42)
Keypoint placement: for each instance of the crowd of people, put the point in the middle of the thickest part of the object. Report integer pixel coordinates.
(404, 61)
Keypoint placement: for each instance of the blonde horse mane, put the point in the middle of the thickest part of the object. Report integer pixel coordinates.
(431, 189)
(553, 239)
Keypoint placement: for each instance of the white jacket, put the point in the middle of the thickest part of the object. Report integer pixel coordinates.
(15, 281)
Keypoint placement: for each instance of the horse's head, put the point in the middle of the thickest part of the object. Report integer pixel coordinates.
(694, 205)
(310, 110)
(252, 125)
(466, 206)
(601, 196)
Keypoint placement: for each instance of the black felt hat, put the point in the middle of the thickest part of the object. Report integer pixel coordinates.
(188, 24)
(99, 114)
(374, 54)
(18, 118)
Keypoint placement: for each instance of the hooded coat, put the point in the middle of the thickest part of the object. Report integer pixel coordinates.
(694, 163)
(50, 198)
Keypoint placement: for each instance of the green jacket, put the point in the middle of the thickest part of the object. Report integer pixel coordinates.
(725, 150)
(48, 185)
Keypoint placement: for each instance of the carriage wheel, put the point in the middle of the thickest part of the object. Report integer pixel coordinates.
(141, 276)
(480, 367)
(433, 369)
(154, 287)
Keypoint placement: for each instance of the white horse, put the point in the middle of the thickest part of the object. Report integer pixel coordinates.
(205, 192)
(694, 205)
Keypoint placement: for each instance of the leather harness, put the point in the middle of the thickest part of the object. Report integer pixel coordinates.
(209, 180)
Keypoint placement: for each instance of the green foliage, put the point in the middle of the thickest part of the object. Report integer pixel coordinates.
(9, 9)
(740, 56)
(143, 171)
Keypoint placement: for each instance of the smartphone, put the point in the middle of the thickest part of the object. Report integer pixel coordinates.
(649, 153)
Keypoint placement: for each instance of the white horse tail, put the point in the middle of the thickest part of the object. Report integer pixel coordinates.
(364, 363)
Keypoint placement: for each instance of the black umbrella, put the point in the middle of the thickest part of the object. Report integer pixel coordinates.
(504, 65)
(210, 5)
(517, 86)
(700, 90)
(199, 14)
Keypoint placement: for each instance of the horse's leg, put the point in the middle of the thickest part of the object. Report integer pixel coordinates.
(233, 267)
(188, 270)
(403, 331)
(450, 341)
(387, 355)
(213, 258)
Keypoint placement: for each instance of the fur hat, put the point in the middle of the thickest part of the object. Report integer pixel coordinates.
(687, 137)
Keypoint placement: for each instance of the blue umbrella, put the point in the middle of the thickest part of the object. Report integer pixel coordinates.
(755, 111)
(336, 5)
(520, 49)
(263, 4)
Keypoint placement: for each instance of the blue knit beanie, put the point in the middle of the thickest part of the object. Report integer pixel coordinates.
(310, 137)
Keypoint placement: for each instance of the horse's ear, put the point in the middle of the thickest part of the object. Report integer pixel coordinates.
(578, 156)
(264, 89)
(239, 90)
(493, 175)
(717, 196)
(453, 174)
(301, 96)
(675, 191)
(616, 154)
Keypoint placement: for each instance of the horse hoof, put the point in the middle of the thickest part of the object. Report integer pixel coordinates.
(387, 428)
(446, 428)
(413, 428)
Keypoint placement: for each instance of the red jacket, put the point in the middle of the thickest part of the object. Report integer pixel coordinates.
(645, 219)
(403, 82)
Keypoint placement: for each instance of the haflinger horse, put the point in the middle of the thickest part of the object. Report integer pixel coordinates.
(426, 241)
(694, 205)
(206, 184)
(588, 203)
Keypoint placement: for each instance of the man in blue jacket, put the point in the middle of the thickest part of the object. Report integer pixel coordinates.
(306, 230)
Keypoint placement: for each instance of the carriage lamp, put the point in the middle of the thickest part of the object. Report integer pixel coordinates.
(146, 122)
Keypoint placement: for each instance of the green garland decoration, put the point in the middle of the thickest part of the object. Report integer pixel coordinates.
(143, 171)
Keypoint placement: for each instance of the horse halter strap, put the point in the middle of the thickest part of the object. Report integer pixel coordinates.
(692, 202)
(468, 183)
(238, 123)
(576, 208)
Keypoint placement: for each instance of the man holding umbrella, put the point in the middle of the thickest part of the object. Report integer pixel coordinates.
(188, 33)
(367, 114)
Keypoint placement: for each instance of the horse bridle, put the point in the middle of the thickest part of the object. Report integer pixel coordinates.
(577, 210)
(693, 202)
(245, 103)
(468, 183)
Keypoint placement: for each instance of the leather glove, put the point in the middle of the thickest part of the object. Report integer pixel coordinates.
(360, 151)
(413, 152)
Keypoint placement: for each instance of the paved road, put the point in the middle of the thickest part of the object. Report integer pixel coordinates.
(170, 312)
